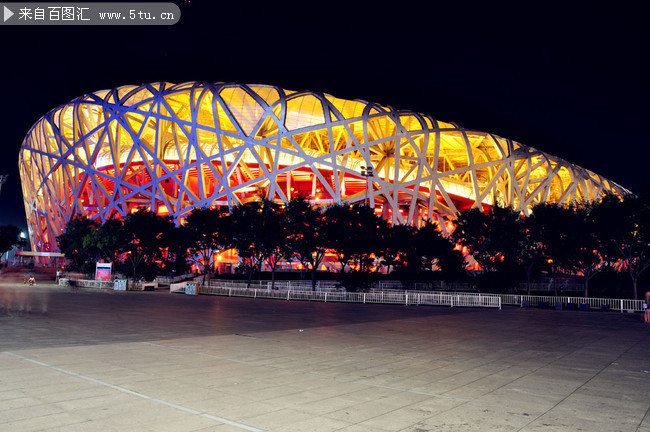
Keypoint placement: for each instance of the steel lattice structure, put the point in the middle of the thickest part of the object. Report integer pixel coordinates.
(172, 147)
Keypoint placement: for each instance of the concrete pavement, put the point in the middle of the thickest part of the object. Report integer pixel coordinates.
(153, 361)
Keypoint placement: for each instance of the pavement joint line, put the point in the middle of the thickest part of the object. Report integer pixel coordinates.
(436, 395)
(137, 394)
(647, 414)
(594, 376)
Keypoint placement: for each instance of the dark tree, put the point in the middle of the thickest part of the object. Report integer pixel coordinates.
(551, 224)
(180, 241)
(584, 240)
(306, 236)
(428, 250)
(9, 237)
(339, 220)
(531, 251)
(494, 240)
(452, 266)
(208, 232)
(354, 234)
(245, 221)
(561, 238)
(260, 235)
(71, 243)
(432, 249)
(395, 247)
(147, 237)
(624, 226)
(273, 235)
(473, 231)
(106, 240)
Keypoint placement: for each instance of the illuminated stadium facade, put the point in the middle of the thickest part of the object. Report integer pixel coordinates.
(173, 147)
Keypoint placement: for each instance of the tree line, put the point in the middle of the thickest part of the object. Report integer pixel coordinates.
(581, 239)
(144, 244)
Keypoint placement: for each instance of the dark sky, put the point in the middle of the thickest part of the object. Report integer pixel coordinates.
(569, 79)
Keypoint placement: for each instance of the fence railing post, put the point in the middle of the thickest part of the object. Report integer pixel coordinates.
(239, 289)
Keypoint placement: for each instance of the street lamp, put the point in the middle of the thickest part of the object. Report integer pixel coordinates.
(3, 178)
(367, 172)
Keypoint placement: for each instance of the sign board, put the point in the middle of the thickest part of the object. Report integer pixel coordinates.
(103, 271)
(119, 285)
(191, 288)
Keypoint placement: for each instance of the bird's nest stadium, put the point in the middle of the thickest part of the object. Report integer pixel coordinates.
(172, 147)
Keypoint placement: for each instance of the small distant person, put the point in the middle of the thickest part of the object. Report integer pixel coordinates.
(58, 275)
(32, 281)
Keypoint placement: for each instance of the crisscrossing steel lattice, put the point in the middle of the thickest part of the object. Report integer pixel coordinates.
(172, 147)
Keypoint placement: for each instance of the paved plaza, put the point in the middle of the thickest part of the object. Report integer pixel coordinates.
(153, 361)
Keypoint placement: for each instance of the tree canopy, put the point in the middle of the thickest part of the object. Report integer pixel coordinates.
(9, 237)
(579, 240)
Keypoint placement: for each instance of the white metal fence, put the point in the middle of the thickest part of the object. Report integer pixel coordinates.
(178, 287)
(321, 285)
(548, 287)
(166, 280)
(425, 286)
(332, 285)
(329, 291)
(86, 283)
(395, 297)
(592, 303)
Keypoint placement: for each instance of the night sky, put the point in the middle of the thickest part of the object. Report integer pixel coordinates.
(571, 80)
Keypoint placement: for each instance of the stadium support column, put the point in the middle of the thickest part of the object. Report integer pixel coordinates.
(288, 194)
(367, 172)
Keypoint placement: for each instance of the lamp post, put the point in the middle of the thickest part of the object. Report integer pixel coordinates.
(3, 178)
(367, 172)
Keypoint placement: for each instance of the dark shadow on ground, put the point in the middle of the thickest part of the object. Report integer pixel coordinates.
(51, 317)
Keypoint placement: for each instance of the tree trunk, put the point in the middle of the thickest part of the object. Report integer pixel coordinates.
(209, 267)
(529, 271)
(313, 278)
(257, 267)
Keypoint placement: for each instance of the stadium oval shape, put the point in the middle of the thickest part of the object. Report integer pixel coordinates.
(173, 147)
